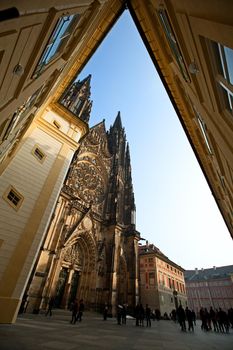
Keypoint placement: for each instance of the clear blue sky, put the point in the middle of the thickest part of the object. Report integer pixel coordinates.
(175, 208)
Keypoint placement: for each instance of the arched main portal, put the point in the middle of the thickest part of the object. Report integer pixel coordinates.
(77, 270)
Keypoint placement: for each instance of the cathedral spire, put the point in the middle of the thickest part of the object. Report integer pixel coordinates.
(118, 124)
(127, 163)
(77, 98)
(127, 153)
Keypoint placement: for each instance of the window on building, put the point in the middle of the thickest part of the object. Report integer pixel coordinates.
(172, 41)
(151, 260)
(19, 115)
(57, 41)
(151, 278)
(56, 124)
(13, 197)
(142, 278)
(8, 127)
(222, 67)
(225, 66)
(38, 153)
(203, 130)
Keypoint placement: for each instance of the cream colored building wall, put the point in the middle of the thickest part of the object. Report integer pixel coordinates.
(31, 258)
(65, 126)
(52, 117)
(21, 173)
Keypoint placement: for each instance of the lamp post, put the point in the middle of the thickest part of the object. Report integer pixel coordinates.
(175, 298)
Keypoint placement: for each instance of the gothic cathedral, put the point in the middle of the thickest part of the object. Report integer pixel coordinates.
(90, 250)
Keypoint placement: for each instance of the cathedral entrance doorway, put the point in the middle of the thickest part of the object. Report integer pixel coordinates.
(60, 288)
(77, 269)
(74, 287)
(66, 292)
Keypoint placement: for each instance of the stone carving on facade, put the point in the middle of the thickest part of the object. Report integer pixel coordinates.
(101, 250)
(72, 255)
(89, 183)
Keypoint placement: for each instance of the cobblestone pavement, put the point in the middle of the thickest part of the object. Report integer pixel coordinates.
(49, 333)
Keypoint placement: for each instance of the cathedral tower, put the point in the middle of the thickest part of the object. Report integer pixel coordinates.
(90, 250)
(121, 204)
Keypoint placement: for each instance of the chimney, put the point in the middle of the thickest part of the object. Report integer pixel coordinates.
(196, 271)
(214, 267)
(147, 243)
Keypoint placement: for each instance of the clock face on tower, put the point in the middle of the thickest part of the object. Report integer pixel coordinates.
(89, 183)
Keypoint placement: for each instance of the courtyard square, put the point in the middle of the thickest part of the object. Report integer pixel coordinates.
(49, 333)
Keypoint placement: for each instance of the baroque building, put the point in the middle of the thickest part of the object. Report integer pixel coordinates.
(161, 281)
(212, 287)
(90, 250)
(43, 47)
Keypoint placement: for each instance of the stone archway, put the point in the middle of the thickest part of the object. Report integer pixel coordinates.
(78, 269)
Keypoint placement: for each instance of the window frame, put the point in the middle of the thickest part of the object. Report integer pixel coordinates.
(173, 43)
(56, 124)
(223, 76)
(10, 202)
(203, 129)
(56, 41)
(41, 160)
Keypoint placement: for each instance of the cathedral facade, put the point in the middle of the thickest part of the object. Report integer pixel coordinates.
(43, 48)
(90, 250)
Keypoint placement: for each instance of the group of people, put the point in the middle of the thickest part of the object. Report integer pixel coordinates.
(181, 315)
(141, 314)
(77, 309)
(218, 320)
(121, 314)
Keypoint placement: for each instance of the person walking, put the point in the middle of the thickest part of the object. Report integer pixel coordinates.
(213, 318)
(123, 314)
(181, 318)
(74, 310)
(203, 318)
(80, 311)
(148, 314)
(141, 315)
(194, 317)
(136, 312)
(189, 318)
(119, 313)
(105, 312)
(173, 315)
(50, 307)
